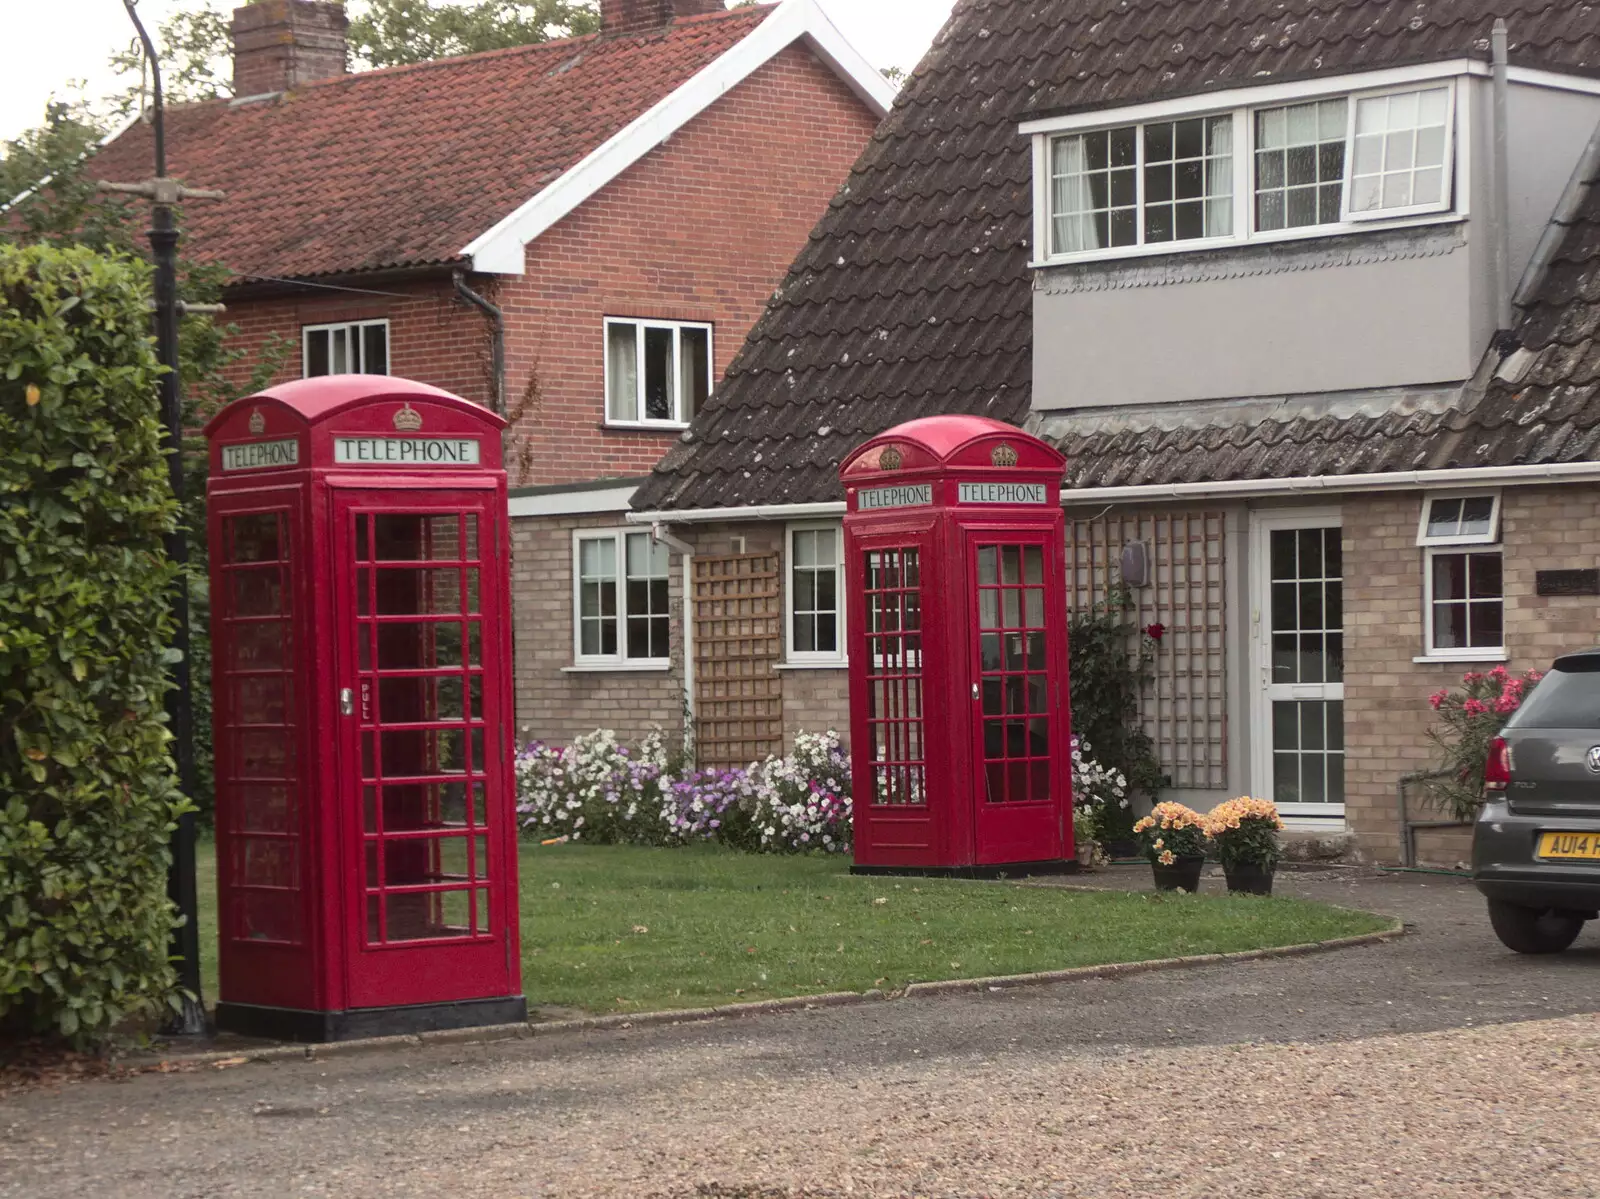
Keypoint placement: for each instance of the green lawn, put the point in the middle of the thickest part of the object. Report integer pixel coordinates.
(626, 929)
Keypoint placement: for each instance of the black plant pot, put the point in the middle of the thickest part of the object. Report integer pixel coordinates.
(1250, 878)
(1183, 874)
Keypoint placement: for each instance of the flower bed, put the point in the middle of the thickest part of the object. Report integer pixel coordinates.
(600, 791)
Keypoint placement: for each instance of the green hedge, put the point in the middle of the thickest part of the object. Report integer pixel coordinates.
(87, 789)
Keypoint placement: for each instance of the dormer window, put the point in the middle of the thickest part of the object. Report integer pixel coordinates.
(1253, 173)
(1143, 184)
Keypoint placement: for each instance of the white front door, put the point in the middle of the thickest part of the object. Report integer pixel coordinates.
(1297, 622)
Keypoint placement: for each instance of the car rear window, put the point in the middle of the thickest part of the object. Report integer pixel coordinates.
(1564, 699)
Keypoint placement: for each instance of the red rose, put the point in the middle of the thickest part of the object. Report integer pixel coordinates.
(1155, 631)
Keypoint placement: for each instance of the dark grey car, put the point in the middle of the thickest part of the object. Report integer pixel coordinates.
(1536, 847)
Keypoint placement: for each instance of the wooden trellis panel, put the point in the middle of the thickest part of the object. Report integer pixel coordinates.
(738, 643)
(1185, 704)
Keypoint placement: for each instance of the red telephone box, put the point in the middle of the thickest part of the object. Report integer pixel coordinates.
(361, 642)
(960, 731)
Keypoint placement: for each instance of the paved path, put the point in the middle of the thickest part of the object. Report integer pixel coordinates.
(1366, 1072)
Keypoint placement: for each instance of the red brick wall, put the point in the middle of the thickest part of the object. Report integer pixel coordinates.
(433, 337)
(703, 229)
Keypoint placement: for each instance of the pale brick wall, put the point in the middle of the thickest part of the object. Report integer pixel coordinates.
(558, 705)
(815, 701)
(1386, 711)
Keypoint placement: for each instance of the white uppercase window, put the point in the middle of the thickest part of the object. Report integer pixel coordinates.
(1463, 576)
(816, 593)
(657, 372)
(350, 348)
(620, 598)
(1326, 163)
(1402, 152)
(1142, 184)
(1300, 164)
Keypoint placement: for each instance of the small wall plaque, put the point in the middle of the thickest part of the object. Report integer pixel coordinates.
(1567, 582)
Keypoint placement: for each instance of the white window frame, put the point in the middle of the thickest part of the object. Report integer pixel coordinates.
(641, 324)
(619, 660)
(1492, 537)
(1466, 543)
(1245, 103)
(336, 326)
(1449, 186)
(814, 658)
(1139, 199)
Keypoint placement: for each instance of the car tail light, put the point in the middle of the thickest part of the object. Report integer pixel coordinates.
(1497, 769)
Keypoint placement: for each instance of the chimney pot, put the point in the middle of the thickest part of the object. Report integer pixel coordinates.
(280, 44)
(638, 16)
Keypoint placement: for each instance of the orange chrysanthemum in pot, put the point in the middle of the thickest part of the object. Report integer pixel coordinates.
(1174, 839)
(1245, 832)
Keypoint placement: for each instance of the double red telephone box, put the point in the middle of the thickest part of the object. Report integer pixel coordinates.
(957, 625)
(361, 642)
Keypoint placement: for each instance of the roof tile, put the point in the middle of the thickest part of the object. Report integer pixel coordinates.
(428, 156)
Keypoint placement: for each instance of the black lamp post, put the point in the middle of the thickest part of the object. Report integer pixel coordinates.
(165, 193)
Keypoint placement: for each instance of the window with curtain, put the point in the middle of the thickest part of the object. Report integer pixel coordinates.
(620, 598)
(1142, 184)
(350, 348)
(1328, 163)
(1300, 164)
(657, 372)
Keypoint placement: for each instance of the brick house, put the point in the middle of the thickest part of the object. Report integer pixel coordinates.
(579, 233)
(1305, 293)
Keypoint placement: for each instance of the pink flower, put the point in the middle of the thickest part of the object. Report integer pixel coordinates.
(1474, 707)
(1499, 672)
(1471, 677)
(1437, 699)
(1506, 705)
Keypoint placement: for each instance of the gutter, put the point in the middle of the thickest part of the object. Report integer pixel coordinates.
(497, 323)
(1501, 181)
(1410, 480)
(663, 533)
(692, 516)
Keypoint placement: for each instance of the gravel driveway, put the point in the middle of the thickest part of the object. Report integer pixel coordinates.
(1406, 1067)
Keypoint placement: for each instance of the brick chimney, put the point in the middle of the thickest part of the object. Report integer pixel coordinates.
(280, 44)
(636, 16)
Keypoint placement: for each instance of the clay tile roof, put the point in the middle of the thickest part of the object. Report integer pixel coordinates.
(914, 295)
(404, 166)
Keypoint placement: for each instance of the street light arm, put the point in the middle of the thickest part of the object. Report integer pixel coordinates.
(151, 57)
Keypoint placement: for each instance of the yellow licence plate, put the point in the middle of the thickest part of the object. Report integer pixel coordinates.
(1570, 845)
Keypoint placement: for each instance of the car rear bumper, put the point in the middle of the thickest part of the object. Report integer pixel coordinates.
(1506, 865)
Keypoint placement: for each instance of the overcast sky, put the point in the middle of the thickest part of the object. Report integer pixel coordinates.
(52, 42)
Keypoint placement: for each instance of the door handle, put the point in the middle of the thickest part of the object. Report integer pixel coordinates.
(974, 691)
(347, 702)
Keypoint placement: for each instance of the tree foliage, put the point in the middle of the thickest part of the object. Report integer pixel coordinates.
(389, 33)
(196, 49)
(64, 208)
(1110, 660)
(87, 791)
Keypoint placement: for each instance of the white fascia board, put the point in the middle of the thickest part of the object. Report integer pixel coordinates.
(1266, 94)
(574, 503)
(694, 516)
(502, 249)
(1256, 95)
(1410, 480)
